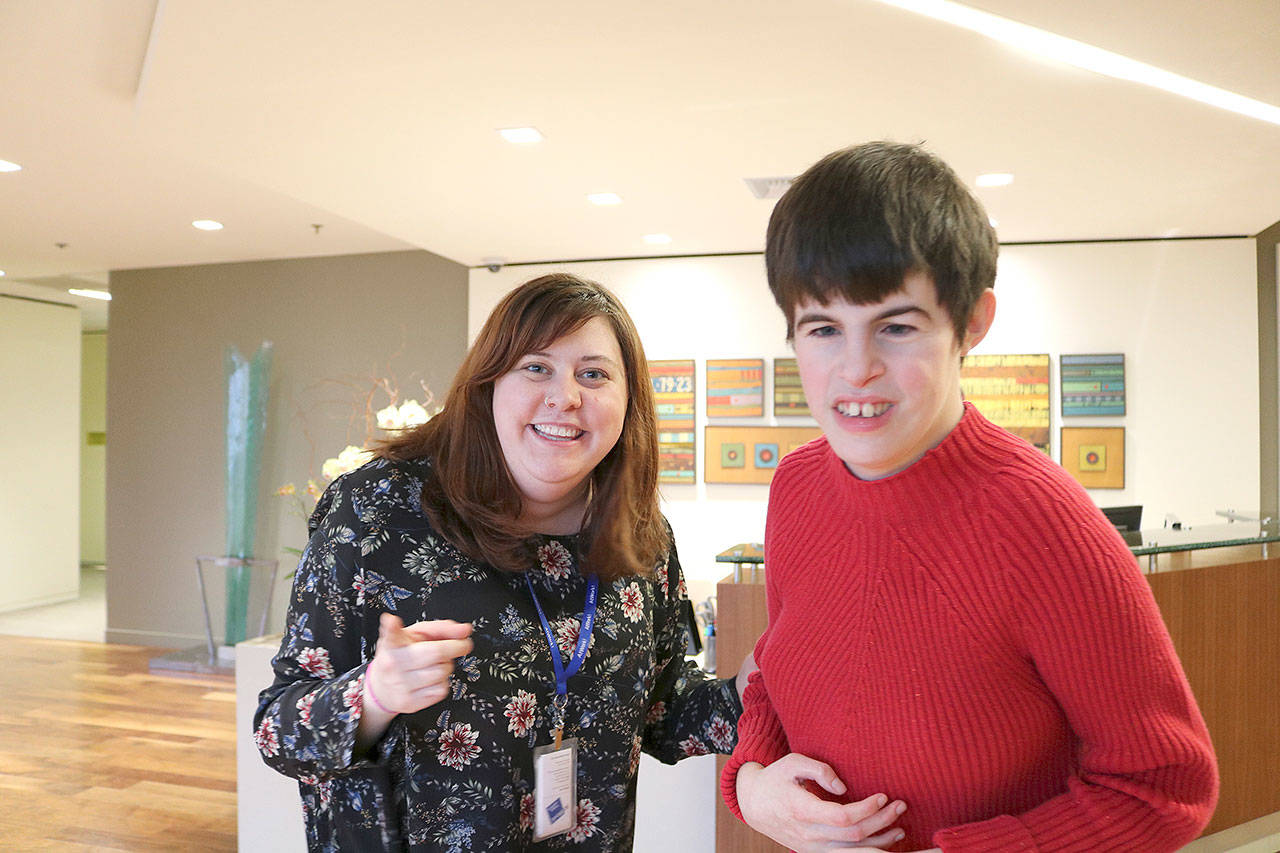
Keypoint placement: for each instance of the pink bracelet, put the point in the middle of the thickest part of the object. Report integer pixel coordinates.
(368, 683)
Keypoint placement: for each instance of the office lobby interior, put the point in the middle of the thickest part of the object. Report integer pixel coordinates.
(360, 185)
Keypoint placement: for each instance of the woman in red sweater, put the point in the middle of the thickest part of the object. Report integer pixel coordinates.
(962, 654)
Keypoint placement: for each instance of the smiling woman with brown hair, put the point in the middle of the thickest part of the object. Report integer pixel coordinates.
(484, 631)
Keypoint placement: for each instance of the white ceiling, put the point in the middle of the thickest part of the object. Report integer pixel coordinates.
(377, 121)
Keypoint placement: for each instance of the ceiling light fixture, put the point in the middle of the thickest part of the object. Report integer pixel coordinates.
(92, 294)
(994, 179)
(207, 224)
(1, 273)
(6, 166)
(1053, 46)
(520, 135)
(604, 198)
(657, 239)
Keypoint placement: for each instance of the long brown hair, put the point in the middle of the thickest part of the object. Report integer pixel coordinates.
(472, 499)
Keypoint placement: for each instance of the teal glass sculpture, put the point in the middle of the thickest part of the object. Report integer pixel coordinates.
(246, 420)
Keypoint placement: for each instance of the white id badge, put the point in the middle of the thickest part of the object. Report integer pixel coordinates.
(555, 801)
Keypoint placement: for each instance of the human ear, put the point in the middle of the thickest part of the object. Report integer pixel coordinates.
(980, 319)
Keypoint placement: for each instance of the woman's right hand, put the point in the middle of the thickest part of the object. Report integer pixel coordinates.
(774, 801)
(410, 670)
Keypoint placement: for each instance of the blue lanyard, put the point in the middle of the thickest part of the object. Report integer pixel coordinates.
(584, 635)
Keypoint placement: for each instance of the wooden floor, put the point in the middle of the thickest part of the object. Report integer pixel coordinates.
(98, 754)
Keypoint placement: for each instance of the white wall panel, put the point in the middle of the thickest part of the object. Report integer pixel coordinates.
(39, 453)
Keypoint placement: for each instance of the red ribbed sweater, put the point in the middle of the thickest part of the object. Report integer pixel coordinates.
(970, 635)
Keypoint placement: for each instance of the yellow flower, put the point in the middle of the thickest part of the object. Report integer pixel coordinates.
(286, 489)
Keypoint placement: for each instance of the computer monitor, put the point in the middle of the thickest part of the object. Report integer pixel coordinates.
(1124, 517)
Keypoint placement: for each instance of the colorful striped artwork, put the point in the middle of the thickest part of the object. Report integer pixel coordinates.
(788, 396)
(735, 387)
(673, 394)
(1092, 384)
(1011, 391)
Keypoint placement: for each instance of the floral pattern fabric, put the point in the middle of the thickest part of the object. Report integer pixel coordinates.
(459, 775)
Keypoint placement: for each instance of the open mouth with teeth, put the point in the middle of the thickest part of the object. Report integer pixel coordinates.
(556, 432)
(863, 410)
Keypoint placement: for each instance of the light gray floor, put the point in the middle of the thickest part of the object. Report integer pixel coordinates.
(82, 619)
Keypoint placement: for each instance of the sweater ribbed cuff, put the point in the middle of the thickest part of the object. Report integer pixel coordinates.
(761, 750)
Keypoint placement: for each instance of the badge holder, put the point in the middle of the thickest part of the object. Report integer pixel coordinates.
(555, 766)
(555, 795)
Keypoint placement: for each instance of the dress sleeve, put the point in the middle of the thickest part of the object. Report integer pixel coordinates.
(1147, 777)
(306, 721)
(690, 712)
(760, 734)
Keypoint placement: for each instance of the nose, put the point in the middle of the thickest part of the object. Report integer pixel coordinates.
(562, 393)
(860, 361)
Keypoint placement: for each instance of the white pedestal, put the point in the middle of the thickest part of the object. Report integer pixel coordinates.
(269, 811)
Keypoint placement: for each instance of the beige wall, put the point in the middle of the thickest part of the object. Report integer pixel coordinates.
(93, 457)
(39, 452)
(335, 322)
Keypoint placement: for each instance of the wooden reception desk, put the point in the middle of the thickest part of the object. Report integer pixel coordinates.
(1222, 608)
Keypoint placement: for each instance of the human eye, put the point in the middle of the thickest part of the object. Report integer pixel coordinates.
(594, 375)
(534, 368)
(897, 330)
(820, 330)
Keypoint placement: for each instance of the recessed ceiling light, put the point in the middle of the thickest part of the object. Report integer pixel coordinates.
(994, 179)
(604, 198)
(657, 239)
(521, 135)
(92, 294)
(1, 273)
(1047, 45)
(207, 225)
(6, 166)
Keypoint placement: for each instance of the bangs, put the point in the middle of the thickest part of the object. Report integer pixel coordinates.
(511, 334)
(851, 253)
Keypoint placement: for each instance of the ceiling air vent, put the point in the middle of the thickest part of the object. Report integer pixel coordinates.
(768, 187)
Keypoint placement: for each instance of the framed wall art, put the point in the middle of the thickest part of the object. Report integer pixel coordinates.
(735, 387)
(749, 454)
(1094, 456)
(788, 396)
(1011, 391)
(1092, 384)
(673, 394)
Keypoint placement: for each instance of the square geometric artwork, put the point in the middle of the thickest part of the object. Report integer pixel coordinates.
(749, 454)
(1011, 391)
(733, 454)
(788, 396)
(735, 387)
(1094, 456)
(673, 396)
(766, 453)
(1092, 384)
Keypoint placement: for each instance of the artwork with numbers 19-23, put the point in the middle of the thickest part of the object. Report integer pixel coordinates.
(673, 395)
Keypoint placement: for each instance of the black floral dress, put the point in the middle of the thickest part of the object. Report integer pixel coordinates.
(459, 775)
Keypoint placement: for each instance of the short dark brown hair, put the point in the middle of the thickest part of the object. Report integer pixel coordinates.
(472, 499)
(857, 221)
